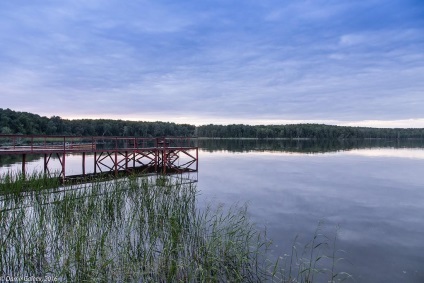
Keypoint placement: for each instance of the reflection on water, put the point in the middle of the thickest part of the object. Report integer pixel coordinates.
(7, 160)
(361, 147)
(304, 146)
(373, 189)
(414, 153)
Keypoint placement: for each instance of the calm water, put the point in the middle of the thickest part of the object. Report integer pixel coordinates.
(373, 190)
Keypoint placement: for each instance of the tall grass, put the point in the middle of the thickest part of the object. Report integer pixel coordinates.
(17, 182)
(137, 229)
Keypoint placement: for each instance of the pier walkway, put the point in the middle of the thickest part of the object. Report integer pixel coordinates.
(111, 155)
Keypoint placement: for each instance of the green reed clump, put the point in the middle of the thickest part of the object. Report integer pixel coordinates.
(137, 230)
(17, 182)
(130, 229)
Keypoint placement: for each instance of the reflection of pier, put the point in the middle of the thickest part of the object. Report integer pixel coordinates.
(111, 155)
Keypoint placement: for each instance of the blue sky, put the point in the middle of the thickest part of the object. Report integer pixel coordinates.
(223, 61)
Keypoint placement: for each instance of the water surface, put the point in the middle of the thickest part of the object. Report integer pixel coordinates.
(372, 190)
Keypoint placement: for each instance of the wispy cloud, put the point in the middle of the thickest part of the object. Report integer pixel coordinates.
(239, 61)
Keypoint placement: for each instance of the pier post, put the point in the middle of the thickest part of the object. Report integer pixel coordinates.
(95, 162)
(116, 163)
(23, 164)
(63, 166)
(45, 163)
(126, 161)
(83, 164)
(116, 157)
(63, 159)
(134, 159)
(164, 160)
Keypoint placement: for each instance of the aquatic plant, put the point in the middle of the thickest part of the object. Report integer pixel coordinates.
(143, 229)
(17, 182)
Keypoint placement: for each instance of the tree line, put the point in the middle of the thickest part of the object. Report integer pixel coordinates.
(14, 122)
(305, 131)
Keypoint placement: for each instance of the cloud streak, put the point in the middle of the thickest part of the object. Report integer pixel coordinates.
(238, 61)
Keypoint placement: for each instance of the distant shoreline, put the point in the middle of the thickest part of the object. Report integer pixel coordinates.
(13, 122)
(306, 139)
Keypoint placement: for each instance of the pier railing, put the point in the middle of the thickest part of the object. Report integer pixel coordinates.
(18, 144)
(110, 155)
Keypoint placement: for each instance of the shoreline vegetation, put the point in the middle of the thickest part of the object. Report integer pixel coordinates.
(298, 139)
(14, 122)
(145, 229)
(304, 146)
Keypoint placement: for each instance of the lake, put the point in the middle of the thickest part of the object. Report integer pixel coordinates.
(372, 190)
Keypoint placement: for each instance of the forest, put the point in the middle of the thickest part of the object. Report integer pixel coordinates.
(14, 122)
(306, 131)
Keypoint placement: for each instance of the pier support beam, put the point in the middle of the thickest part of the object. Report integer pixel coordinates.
(126, 161)
(83, 164)
(63, 167)
(23, 164)
(115, 165)
(45, 164)
(95, 162)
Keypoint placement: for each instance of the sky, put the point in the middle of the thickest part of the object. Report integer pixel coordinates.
(356, 63)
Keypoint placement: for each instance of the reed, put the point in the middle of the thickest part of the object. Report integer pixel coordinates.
(143, 229)
(17, 182)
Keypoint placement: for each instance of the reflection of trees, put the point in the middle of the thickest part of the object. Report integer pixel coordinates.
(306, 146)
(7, 160)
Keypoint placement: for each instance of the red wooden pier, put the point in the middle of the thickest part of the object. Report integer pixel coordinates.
(112, 155)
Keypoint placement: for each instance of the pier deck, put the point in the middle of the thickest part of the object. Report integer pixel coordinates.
(111, 155)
